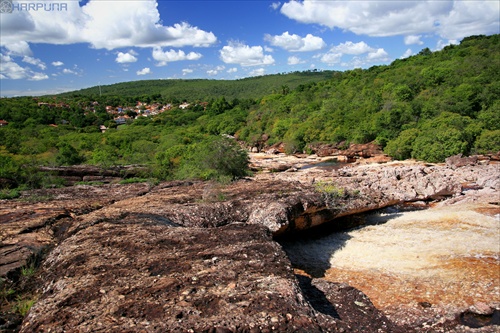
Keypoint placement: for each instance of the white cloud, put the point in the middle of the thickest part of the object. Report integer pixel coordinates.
(20, 48)
(123, 58)
(186, 71)
(258, 72)
(34, 61)
(378, 55)
(57, 63)
(237, 53)
(413, 39)
(407, 54)
(11, 70)
(169, 56)
(232, 70)
(216, 71)
(470, 18)
(293, 60)
(331, 58)
(69, 71)
(295, 43)
(38, 77)
(144, 71)
(372, 54)
(441, 44)
(132, 23)
(275, 5)
(448, 19)
(352, 48)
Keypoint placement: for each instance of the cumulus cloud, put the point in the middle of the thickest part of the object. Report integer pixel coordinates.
(448, 19)
(331, 58)
(258, 72)
(244, 55)
(9, 69)
(352, 48)
(144, 71)
(124, 58)
(38, 77)
(378, 55)
(133, 23)
(232, 70)
(216, 71)
(69, 71)
(19, 48)
(441, 44)
(186, 71)
(413, 39)
(295, 43)
(34, 61)
(335, 54)
(293, 60)
(57, 63)
(407, 54)
(169, 56)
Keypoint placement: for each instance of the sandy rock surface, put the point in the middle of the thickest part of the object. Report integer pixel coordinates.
(201, 257)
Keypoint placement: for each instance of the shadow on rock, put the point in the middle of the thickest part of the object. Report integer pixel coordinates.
(316, 297)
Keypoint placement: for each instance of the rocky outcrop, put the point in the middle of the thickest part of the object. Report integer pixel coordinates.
(200, 256)
(89, 173)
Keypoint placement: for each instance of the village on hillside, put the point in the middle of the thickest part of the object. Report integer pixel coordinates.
(121, 114)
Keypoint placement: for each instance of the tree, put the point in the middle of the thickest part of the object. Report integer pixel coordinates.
(68, 155)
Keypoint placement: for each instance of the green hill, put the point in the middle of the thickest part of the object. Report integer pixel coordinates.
(201, 89)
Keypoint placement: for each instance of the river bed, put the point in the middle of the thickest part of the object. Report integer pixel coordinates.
(424, 264)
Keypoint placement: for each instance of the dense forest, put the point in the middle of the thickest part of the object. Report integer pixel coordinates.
(428, 106)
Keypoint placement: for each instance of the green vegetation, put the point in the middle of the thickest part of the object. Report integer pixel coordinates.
(29, 270)
(23, 305)
(332, 193)
(176, 91)
(428, 106)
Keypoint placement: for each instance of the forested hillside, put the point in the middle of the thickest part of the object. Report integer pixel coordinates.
(201, 89)
(428, 106)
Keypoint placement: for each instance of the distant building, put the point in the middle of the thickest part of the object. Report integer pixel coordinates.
(184, 105)
(3, 123)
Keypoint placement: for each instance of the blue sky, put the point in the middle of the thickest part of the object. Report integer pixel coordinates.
(69, 45)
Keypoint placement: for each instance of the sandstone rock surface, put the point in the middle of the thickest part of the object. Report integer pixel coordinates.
(200, 257)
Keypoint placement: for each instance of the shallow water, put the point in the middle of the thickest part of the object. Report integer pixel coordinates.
(448, 257)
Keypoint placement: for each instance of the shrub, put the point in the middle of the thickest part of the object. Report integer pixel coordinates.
(488, 142)
(215, 158)
(68, 155)
(331, 193)
(401, 147)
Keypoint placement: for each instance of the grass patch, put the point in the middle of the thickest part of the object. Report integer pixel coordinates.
(133, 180)
(23, 305)
(91, 183)
(37, 197)
(333, 194)
(10, 193)
(29, 270)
